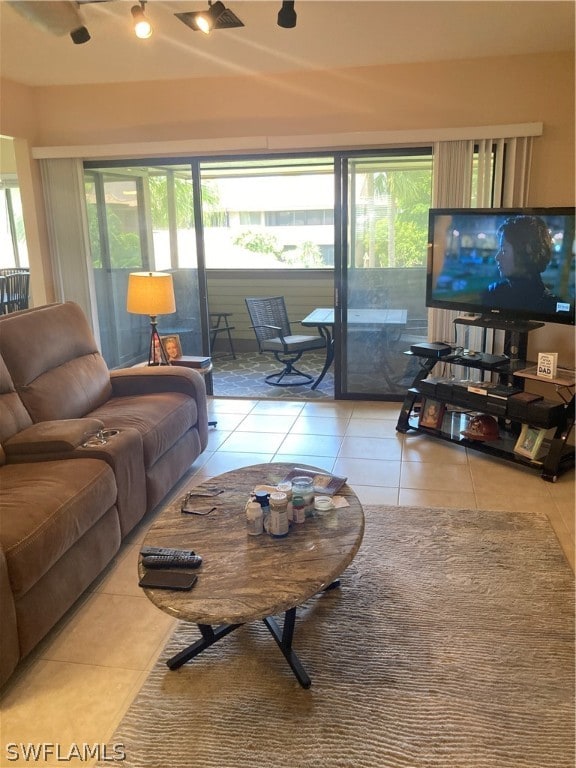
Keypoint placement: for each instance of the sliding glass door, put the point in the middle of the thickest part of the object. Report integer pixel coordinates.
(342, 230)
(384, 202)
(143, 218)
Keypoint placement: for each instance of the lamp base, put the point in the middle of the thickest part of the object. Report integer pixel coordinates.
(156, 353)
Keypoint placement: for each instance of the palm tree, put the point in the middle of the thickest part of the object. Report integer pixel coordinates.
(395, 187)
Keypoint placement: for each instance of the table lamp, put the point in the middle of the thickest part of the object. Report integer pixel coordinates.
(152, 293)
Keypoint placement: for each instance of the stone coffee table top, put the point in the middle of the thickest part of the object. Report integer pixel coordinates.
(242, 577)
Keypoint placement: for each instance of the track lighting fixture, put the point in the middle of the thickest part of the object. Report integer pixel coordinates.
(287, 15)
(142, 27)
(60, 17)
(216, 17)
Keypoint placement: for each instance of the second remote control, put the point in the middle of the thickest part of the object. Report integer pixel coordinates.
(165, 551)
(172, 561)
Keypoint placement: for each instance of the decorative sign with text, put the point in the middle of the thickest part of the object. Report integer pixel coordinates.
(547, 364)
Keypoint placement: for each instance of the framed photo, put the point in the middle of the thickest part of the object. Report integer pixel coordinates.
(431, 414)
(172, 346)
(530, 441)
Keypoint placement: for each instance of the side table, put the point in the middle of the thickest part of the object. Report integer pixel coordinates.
(191, 361)
(219, 324)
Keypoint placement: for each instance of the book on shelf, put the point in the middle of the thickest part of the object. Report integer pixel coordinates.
(493, 389)
(192, 361)
(503, 392)
(324, 482)
(481, 387)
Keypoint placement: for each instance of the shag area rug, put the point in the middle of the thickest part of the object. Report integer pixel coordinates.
(449, 644)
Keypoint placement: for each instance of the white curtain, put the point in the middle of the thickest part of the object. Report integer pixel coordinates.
(63, 184)
(495, 175)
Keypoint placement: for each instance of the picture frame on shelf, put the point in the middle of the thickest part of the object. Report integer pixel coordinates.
(431, 413)
(172, 346)
(530, 441)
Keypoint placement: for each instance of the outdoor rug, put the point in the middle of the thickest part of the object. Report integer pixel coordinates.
(245, 377)
(449, 644)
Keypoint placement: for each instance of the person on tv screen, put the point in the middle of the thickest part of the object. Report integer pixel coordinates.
(525, 252)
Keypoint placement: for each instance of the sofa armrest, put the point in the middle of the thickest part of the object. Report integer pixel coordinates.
(148, 380)
(45, 437)
(9, 645)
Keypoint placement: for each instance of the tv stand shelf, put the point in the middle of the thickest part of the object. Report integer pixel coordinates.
(555, 455)
(499, 324)
(564, 378)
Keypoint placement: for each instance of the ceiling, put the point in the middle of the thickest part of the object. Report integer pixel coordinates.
(328, 34)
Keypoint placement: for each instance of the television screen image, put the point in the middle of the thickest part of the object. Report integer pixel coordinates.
(516, 264)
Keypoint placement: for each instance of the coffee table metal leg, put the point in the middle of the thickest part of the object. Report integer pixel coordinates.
(209, 637)
(284, 640)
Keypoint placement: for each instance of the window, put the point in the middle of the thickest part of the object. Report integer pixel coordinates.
(12, 236)
(300, 218)
(269, 213)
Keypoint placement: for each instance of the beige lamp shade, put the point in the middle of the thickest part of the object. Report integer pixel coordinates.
(150, 293)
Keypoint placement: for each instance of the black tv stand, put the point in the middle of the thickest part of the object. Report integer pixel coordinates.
(515, 332)
(458, 402)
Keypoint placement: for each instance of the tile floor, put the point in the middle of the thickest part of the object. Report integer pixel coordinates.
(74, 689)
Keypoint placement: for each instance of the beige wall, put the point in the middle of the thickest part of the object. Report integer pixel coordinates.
(477, 92)
(17, 114)
(472, 92)
(7, 157)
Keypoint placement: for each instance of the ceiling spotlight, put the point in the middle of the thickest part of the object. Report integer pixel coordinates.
(287, 15)
(142, 27)
(216, 17)
(60, 17)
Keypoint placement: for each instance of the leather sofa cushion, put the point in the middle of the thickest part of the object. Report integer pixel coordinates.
(161, 419)
(13, 415)
(54, 361)
(46, 507)
(69, 391)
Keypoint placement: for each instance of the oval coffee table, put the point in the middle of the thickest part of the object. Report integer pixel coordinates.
(247, 578)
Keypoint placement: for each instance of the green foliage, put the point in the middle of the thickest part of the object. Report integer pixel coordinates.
(410, 244)
(259, 242)
(307, 255)
(409, 200)
(94, 235)
(124, 246)
(184, 202)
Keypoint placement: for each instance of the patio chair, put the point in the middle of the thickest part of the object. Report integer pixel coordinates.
(15, 291)
(273, 333)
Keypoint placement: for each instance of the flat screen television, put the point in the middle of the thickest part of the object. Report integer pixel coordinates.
(503, 264)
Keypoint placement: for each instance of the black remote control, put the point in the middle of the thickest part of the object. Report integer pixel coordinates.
(165, 551)
(171, 561)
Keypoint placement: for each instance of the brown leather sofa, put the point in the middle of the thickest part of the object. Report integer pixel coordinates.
(64, 507)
